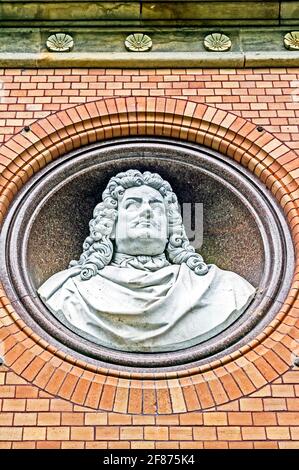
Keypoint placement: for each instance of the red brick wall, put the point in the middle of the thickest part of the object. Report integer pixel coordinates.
(31, 417)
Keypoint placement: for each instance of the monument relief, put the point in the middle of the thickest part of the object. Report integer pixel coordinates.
(139, 285)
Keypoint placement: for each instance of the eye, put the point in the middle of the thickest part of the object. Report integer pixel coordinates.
(132, 205)
(157, 206)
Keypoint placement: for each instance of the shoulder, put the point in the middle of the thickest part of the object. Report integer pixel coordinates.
(55, 282)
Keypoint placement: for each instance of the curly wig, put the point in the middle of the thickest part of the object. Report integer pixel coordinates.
(98, 247)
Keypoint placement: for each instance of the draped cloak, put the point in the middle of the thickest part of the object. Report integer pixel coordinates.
(133, 310)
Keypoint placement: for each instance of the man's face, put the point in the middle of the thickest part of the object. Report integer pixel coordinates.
(141, 226)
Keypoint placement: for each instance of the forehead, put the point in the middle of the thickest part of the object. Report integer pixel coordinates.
(143, 192)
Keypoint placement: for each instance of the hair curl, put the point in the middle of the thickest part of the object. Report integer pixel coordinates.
(98, 247)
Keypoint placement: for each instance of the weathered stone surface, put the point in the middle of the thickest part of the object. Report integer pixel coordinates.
(135, 12)
(68, 10)
(290, 11)
(210, 10)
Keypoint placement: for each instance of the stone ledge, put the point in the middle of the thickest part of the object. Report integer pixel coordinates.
(152, 60)
(172, 47)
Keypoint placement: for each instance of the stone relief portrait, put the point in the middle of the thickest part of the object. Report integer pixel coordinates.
(139, 284)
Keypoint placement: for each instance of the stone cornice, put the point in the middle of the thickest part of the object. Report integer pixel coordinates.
(172, 47)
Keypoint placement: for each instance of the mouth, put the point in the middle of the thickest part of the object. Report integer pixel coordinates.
(145, 223)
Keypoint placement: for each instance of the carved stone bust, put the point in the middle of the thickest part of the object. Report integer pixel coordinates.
(139, 285)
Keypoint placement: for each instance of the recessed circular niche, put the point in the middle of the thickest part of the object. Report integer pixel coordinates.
(243, 231)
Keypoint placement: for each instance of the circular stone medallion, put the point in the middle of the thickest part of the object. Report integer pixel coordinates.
(244, 231)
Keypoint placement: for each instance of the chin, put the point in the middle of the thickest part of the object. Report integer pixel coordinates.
(151, 247)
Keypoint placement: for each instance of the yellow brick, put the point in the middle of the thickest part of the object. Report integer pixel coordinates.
(72, 445)
(25, 419)
(119, 445)
(38, 404)
(14, 404)
(180, 433)
(117, 419)
(131, 432)
(253, 433)
(6, 419)
(58, 433)
(278, 433)
(157, 433)
(82, 433)
(96, 418)
(34, 434)
(48, 419)
(10, 434)
(97, 445)
(106, 433)
(229, 433)
(142, 445)
(215, 419)
(204, 434)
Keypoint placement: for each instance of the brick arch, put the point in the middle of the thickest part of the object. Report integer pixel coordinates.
(235, 375)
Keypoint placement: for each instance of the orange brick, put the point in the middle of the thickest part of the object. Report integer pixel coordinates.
(48, 419)
(186, 419)
(119, 445)
(264, 419)
(72, 419)
(159, 433)
(82, 433)
(293, 404)
(229, 433)
(6, 419)
(38, 404)
(253, 433)
(239, 418)
(240, 445)
(60, 405)
(215, 418)
(48, 445)
(118, 419)
(204, 434)
(96, 418)
(143, 420)
(182, 433)
(288, 418)
(58, 433)
(26, 392)
(107, 433)
(265, 445)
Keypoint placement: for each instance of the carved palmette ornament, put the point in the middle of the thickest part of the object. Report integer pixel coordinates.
(217, 42)
(138, 42)
(60, 42)
(291, 41)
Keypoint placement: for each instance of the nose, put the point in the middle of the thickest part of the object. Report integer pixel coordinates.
(146, 210)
